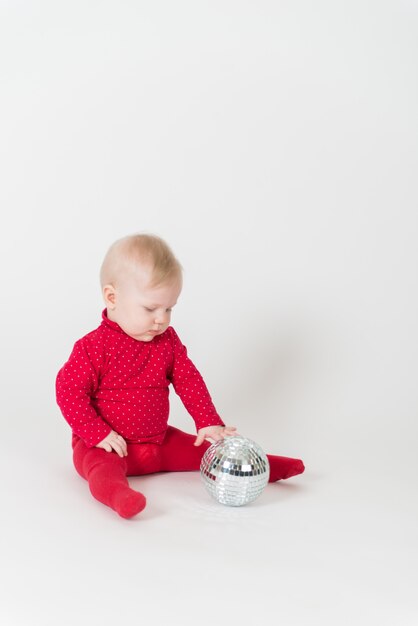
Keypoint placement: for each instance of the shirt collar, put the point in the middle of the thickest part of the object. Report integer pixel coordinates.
(114, 326)
(107, 322)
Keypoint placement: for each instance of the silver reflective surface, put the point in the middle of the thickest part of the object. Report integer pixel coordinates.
(235, 470)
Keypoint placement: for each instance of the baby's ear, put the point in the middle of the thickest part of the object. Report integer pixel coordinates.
(109, 295)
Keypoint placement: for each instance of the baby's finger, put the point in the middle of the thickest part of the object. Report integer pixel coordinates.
(122, 444)
(117, 448)
(118, 443)
(199, 440)
(229, 431)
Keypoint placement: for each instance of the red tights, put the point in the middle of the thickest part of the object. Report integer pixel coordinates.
(106, 472)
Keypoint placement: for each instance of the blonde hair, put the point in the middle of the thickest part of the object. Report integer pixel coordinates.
(141, 250)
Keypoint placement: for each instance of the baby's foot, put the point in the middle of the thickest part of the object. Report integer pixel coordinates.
(128, 502)
(282, 467)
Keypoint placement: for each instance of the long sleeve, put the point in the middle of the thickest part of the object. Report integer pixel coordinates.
(76, 382)
(191, 388)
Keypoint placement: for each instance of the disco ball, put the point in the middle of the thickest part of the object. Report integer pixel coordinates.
(235, 470)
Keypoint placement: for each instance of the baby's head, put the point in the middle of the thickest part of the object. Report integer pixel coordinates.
(141, 280)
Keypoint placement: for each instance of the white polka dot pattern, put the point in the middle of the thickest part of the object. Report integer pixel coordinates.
(114, 382)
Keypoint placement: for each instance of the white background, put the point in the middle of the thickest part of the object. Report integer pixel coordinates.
(274, 146)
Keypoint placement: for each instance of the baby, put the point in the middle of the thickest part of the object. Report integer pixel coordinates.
(113, 390)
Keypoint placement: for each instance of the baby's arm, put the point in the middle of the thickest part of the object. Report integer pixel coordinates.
(76, 383)
(191, 388)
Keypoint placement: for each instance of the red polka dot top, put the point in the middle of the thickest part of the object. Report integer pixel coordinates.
(114, 382)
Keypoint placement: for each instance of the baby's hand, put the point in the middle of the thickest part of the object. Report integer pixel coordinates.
(115, 442)
(214, 432)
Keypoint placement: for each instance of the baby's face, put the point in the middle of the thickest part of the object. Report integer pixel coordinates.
(140, 310)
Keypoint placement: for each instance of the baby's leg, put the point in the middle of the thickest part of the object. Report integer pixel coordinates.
(143, 458)
(284, 467)
(106, 475)
(179, 455)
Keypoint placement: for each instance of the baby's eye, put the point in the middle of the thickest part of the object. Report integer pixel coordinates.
(153, 310)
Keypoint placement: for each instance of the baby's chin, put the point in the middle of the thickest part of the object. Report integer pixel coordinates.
(143, 337)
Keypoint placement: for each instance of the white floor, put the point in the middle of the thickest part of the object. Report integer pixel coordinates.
(273, 144)
(335, 546)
